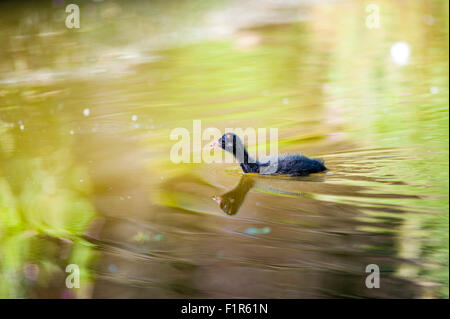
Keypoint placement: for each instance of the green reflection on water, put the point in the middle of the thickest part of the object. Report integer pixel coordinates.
(41, 197)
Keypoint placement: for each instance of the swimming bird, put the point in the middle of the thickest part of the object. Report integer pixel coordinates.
(290, 164)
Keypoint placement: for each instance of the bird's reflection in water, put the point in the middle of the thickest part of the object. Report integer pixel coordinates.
(231, 201)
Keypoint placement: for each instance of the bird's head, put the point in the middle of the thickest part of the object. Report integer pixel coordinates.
(229, 142)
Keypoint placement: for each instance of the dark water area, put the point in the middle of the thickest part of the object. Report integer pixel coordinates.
(86, 176)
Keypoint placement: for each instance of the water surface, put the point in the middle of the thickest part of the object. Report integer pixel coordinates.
(86, 178)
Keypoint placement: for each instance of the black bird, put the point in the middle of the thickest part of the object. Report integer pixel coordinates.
(290, 164)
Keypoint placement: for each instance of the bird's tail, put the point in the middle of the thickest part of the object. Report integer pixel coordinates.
(321, 164)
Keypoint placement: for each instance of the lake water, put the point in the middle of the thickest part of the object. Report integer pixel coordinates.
(86, 177)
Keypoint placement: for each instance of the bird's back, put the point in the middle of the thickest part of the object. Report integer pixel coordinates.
(291, 164)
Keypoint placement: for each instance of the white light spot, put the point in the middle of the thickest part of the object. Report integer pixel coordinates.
(22, 127)
(134, 118)
(81, 181)
(428, 19)
(86, 112)
(113, 268)
(285, 100)
(434, 90)
(71, 132)
(400, 52)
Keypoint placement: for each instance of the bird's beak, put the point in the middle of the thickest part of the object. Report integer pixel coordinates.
(217, 199)
(214, 144)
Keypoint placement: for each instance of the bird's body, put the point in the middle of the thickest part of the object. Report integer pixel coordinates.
(290, 164)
